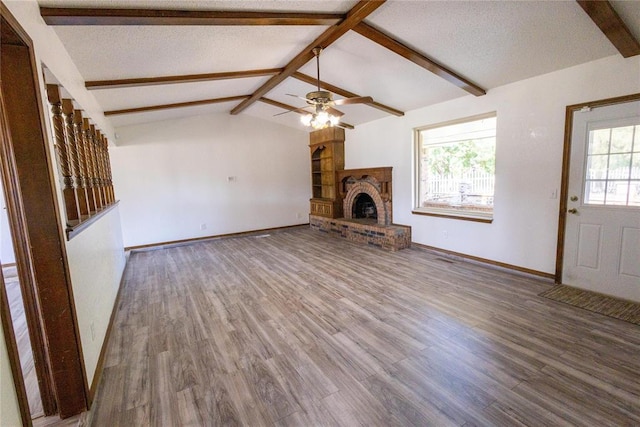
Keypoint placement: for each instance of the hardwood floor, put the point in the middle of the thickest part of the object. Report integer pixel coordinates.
(300, 329)
(19, 320)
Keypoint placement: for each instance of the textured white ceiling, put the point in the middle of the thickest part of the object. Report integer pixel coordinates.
(491, 43)
(143, 96)
(497, 42)
(112, 52)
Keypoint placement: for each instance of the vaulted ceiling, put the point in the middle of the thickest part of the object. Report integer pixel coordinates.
(244, 57)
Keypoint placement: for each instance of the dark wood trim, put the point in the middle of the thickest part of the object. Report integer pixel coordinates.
(14, 356)
(7, 265)
(24, 117)
(359, 12)
(93, 16)
(216, 236)
(564, 191)
(73, 231)
(295, 109)
(566, 163)
(416, 57)
(12, 32)
(343, 92)
(451, 216)
(607, 19)
(176, 105)
(187, 78)
(486, 261)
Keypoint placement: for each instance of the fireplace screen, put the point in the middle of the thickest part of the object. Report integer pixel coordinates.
(364, 207)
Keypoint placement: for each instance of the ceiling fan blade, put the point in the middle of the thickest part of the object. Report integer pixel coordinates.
(334, 112)
(307, 100)
(297, 96)
(297, 110)
(284, 112)
(345, 125)
(355, 100)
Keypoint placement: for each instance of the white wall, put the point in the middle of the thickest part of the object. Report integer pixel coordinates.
(95, 256)
(173, 176)
(9, 409)
(96, 262)
(530, 136)
(7, 255)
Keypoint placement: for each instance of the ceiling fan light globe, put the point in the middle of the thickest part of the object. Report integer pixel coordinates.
(306, 119)
(322, 117)
(316, 123)
(334, 120)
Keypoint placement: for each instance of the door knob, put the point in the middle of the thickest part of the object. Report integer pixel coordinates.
(574, 198)
(573, 211)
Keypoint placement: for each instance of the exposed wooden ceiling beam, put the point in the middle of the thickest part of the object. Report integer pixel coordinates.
(342, 92)
(292, 108)
(359, 12)
(176, 105)
(188, 78)
(90, 16)
(416, 57)
(607, 19)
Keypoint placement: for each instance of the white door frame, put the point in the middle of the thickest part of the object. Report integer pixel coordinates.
(566, 162)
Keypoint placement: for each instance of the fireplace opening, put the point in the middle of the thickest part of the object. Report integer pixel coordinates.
(364, 207)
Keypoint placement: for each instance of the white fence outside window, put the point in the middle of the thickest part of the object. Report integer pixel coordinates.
(476, 185)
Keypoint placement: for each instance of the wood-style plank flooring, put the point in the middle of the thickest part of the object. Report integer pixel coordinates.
(300, 329)
(19, 320)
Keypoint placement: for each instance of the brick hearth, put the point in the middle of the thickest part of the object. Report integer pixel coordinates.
(389, 237)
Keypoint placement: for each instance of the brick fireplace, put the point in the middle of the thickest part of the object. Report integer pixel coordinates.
(366, 194)
(367, 210)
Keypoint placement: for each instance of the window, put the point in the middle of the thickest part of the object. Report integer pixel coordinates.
(455, 168)
(613, 166)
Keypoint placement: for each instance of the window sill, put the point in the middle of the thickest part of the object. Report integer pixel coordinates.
(73, 231)
(454, 214)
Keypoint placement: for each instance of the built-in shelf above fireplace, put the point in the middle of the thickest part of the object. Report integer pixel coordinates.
(327, 157)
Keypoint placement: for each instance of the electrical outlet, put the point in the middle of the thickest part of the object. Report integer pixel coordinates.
(445, 234)
(203, 226)
(93, 331)
(299, 215)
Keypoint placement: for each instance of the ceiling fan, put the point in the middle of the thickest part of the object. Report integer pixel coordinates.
(320, 111)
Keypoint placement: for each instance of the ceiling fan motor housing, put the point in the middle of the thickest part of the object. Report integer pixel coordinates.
(320, 96)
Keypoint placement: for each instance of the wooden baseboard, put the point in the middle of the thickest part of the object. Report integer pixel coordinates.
(216, 236)
(486, 261)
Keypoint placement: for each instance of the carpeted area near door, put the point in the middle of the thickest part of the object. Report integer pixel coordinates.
(598, 303)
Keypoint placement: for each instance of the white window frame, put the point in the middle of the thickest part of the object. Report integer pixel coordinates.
(632, 183)
(449, 211)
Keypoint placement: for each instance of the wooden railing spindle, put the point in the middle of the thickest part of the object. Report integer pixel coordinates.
(112, 196)
(73, 148)
(65, 164)
(82, 156)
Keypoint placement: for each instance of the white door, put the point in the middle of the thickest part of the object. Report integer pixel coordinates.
(602, 234)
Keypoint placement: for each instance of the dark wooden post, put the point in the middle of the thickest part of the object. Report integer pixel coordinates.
(72, 146)
(83, 131)
(99, 158)
(107, 163)
(95, 177)
(65, 165)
